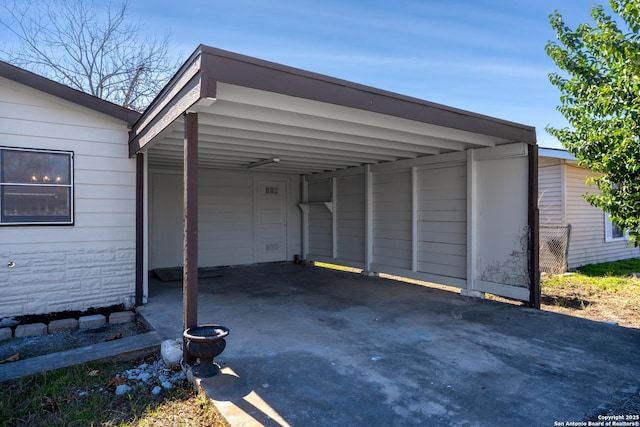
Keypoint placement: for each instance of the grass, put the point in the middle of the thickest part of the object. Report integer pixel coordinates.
(84, 395)
(603, 292)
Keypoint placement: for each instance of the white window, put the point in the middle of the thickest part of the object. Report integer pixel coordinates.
(612, 232)
(36, 186)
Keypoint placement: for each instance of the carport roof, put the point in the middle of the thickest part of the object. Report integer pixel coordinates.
(251, 110)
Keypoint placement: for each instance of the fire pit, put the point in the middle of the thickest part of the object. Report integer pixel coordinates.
(206, 342)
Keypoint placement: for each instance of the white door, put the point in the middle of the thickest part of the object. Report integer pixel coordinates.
(271, 220)
(165, 236)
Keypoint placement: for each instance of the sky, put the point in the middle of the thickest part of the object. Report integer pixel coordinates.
(486, 56)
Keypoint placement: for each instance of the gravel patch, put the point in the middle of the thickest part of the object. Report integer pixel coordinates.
(66, 340)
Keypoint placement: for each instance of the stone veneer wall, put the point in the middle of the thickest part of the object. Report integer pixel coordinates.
(59, 280)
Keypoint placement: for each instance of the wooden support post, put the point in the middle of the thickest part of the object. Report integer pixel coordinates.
(414, 219)
(368, 218)
(140, 212)
(472, 226)
(534, 231)
(190, 249)
(305, 216)
(334, 218)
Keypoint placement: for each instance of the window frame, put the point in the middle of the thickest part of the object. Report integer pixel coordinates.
(608, 231)
(38, 220)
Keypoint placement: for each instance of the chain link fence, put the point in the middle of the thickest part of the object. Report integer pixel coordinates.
(554, 248)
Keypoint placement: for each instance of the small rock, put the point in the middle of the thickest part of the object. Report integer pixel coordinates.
(122, 389)
(156, 390)
(171, 351)
(167, 385)
(8, 322)
(82, 393)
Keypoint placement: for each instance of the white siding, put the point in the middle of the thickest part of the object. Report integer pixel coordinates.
(320, 220)
(442, 221)
(421, 232)
(392, 219)
(503, 231)
(91, 263)
(550, 191)
(226, 217)
(587, 243)
(350, 218)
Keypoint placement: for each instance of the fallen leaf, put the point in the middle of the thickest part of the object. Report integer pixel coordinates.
(114, 337)
(94, 373)
(13, 358)
(115, 382)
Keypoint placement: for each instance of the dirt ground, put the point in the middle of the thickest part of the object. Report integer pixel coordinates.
(611, 307)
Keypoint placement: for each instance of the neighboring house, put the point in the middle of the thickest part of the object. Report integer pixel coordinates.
(67, 198)
(275, 162)
(593, 238)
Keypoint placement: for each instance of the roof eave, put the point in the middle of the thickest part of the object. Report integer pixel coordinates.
(199, 75)
(27, 78)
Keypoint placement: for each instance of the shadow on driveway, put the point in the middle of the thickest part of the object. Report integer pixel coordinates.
(310, 346)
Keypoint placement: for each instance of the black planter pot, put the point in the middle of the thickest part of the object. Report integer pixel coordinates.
(206, 342)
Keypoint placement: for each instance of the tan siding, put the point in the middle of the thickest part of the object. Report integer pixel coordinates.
(320, 220)
(226, 221)
(350, 218)
(550, 193)
(587, 244)
(77, 259)
(392, 219)
(442, 226)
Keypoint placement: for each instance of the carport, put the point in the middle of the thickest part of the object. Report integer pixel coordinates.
(311, 346)
(276, 162)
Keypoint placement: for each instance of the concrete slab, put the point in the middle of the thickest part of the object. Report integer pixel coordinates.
(310, 346)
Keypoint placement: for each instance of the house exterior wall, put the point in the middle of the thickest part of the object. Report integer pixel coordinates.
(442, 209)
(416, 221)
(587, 244)
(551, 191)
(350, 217)
(90, 263)
(392, 223)
(320, 219)
(502, 223)
(227, 228)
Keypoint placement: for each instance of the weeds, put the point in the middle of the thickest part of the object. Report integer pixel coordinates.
(605, 292)
(84, 395)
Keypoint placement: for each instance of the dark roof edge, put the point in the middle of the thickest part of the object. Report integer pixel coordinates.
(35, 81)
(208, 50)
(556, 153)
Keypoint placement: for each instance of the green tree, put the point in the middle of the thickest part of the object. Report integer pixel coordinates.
(600, 98)
(89, 45)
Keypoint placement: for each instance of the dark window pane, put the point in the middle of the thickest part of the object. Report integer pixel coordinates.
(36, 167)
(36, 203)
(616, 232)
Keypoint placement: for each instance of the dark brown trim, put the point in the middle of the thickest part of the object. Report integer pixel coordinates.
(67, 93)
(534, 230)
(241, 70)
(216, 65)
(190, 250)
(139, 229)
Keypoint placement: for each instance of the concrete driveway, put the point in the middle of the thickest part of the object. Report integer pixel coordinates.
(316, 347)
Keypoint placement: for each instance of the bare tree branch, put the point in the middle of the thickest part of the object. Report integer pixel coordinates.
(89, 45)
